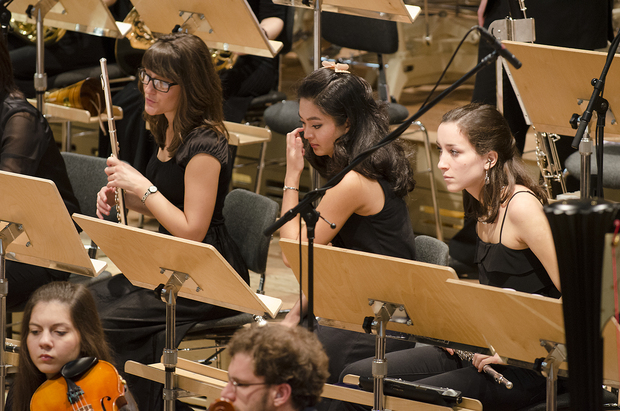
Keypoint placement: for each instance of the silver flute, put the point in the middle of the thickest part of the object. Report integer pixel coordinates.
(105, 84)
(499, 378)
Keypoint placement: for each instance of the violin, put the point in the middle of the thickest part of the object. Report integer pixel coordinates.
(83, 384)
(221, 405)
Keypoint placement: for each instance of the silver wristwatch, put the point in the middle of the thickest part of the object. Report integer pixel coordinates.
(151, 190)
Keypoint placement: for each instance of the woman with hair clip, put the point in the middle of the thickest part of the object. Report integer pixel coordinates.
(515, 249)
(341, 119)
(184, 189)
(61, 325)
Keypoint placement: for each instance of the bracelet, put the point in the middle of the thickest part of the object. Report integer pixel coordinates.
(290, 188)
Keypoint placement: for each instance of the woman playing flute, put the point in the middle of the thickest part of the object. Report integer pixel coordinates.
(515, 249)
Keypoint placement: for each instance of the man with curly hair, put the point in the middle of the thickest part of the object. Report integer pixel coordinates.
(275, 368)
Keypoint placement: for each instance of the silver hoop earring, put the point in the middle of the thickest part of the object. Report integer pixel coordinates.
(486, 178)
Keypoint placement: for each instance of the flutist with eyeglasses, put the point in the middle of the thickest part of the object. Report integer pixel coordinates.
(184, 187)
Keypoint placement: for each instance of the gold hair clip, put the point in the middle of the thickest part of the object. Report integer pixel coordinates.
(337, 67)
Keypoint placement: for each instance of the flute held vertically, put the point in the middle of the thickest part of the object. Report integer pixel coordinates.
(105, 83)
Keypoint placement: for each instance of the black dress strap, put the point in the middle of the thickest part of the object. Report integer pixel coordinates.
(506, 212)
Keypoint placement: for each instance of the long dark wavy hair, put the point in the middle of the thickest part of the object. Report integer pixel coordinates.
(487, 130)
(345, 96)
(7, 82)
(185, 59)
(85, 320)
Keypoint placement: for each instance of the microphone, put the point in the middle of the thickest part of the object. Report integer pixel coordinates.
(497, 45)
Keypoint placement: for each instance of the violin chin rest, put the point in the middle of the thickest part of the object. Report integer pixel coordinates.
(76, 368)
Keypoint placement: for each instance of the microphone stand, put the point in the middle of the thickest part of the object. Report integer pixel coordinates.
(600, 105)
(305, 207)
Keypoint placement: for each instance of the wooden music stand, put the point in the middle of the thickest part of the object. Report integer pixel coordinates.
(519, 326)
(209, 382)
(551, 100)
(223, 24)
(84, 16)
(350, 294)
(36, 229)
(187, 268)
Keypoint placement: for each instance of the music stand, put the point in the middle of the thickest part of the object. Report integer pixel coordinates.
(36, 229)
(226, 25)
(187, 268)
(347, 291)
(569, 88)
(84, 16)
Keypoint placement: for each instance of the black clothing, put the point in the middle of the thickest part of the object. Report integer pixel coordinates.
(252, 76)
(377, 233)
(504, 267)
(133, 319)
(28, 147)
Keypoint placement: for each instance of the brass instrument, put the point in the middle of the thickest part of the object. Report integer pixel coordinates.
(105, 83)
(549, 162)
(28, 32)
(130, 49)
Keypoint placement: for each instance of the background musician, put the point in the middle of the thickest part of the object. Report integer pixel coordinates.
(341, 119)
(184, 189)
(27, 147)
(60, 325)
(515, 249)
(253, 76)
(72, 51)
(275, 368)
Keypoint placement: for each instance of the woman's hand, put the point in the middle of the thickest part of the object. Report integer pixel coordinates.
(106, 199)
(481, 360)
(122, 175)
(294, 157)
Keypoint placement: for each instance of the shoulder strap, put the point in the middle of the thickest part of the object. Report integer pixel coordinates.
(506, 212)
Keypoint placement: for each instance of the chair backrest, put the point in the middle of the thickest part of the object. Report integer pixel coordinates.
(360, 33)
(431, 250)
(87, 176)
(247, 215)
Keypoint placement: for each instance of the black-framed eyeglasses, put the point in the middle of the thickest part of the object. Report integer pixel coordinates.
(237, 384)
(159, 85)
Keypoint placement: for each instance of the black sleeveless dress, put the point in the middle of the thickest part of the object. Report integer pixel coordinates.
(133, 319)
(504, 267)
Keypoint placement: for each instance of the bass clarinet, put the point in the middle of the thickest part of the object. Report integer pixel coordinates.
(105, 83)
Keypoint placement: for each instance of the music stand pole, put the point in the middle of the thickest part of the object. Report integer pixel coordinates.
(40, 77)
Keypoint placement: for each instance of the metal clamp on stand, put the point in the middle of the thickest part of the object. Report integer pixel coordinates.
(384, 312)
(550, 368)
(168, 293)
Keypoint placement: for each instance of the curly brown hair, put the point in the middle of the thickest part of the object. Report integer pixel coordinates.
(285, 355)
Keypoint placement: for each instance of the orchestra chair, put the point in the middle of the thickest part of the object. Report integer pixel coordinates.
(87, 176)
(431, 250)
(611, 166)
(247, 215)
